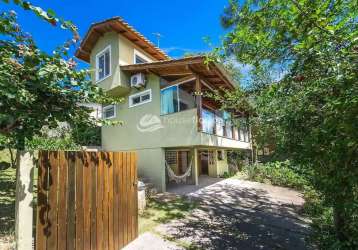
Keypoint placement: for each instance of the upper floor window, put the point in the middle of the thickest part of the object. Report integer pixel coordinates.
(140, 98)
(208, 121)
(103, 64)
(140, 57)
(228, 124)
(109, 111)
(220, 125)
(244, 130)
(177, 98)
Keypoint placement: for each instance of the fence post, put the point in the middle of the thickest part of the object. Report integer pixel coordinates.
(23, 203)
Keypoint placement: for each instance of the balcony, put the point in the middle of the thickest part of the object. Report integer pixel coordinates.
(219, 129)
(205, 125)
(215, 122)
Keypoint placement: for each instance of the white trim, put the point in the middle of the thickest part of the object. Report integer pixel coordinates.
(130, 98)
(110, 63)
(141, 55)
(108, 107)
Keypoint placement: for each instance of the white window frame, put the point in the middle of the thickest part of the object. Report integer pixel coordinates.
(130, 98)
(110, 63)
(141, 55)
(178, 99)
(108, 107)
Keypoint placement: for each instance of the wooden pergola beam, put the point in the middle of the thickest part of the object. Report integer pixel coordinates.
(181, 80)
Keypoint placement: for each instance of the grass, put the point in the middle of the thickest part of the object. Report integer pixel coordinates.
(162, 211)
(7, 197)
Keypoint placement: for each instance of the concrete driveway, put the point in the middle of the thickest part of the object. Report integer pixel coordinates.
(237, 214)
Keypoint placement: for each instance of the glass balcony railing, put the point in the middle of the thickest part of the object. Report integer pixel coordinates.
(222, 125)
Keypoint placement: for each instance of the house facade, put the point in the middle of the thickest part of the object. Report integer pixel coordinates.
(167, 118)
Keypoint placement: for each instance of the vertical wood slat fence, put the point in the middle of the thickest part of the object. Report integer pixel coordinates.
(86, 200)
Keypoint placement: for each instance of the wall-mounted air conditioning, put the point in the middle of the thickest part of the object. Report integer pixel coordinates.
(138, 80)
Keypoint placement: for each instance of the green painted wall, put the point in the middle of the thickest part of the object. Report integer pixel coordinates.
(222, 166)
(213, 165)
(122, 53)
(144, 130)
(150, 165)
(108, 39)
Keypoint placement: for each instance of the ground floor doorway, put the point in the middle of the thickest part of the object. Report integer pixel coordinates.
(206, 161)
(179, 162)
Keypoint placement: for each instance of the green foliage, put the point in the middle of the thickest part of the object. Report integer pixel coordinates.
(39, 89)
(49, 16)
(7, 200)
(310, 113)
(66, 138)
(228, 175)
(47, 143)
(87, 135)
(322, 220)
(277, 173)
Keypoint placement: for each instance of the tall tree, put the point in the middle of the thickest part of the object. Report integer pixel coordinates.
(38, 89)
(312, 111)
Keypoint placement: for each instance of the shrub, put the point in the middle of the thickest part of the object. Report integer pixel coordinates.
(228, 175)
(277, 173)
(44, 143)
(323, 231)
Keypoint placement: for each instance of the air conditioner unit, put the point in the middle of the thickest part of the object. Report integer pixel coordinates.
(138, 80)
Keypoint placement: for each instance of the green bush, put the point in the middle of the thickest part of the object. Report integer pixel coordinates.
(227, 175)
(323, 231)
(277, 173)
(44, 143)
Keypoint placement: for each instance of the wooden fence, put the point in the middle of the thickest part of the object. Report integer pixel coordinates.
(86, 200)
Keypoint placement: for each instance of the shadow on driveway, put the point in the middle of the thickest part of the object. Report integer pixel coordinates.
(235, 214)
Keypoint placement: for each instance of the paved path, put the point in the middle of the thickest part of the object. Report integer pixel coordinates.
(237, 214)
(149, 241)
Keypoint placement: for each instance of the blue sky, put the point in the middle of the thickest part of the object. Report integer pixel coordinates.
(183, 23)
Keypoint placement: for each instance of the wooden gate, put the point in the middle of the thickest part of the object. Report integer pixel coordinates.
(86, 200)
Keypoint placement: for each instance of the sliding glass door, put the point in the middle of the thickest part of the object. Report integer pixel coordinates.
(177, 98)
(169, 100)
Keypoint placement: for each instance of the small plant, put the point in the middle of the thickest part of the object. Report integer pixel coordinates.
(276, 173)
(228, 175)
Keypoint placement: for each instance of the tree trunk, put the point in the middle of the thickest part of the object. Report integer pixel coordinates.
(24, 198)
(13, 160)
(339, 223)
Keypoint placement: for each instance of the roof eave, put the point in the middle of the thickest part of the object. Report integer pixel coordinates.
(158, 53)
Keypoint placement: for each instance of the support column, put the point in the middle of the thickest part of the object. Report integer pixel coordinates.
(23, 203)
(198, 99)
(196, 167)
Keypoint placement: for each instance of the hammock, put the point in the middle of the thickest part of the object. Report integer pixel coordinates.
(178, 178)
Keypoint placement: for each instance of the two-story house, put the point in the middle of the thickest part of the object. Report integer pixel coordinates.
(167, 119)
